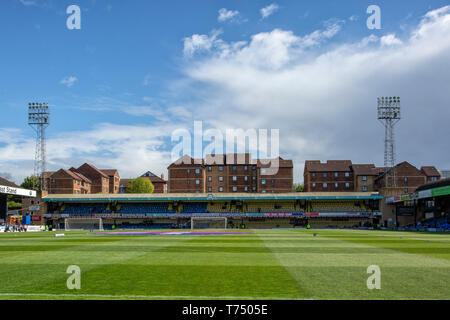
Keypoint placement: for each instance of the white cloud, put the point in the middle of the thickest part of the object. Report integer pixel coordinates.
(390, 40)
(225, 15)
(323, 98)
(199, 42)
(269, 10)
(269, 50)
(69, 81)
(132, 149)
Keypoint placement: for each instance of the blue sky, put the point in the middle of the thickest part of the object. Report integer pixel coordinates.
(124, 81)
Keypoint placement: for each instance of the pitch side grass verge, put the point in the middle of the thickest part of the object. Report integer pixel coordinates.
(266, 264)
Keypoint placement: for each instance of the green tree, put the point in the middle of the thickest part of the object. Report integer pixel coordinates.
(298, 187)
(32, 182)
(140, 185)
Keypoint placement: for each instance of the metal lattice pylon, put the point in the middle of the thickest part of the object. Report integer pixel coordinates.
(389, 115)
(39, 120)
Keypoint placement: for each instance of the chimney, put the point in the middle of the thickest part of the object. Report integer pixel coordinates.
(162, 176)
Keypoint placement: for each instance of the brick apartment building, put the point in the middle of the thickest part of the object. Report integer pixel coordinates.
(334, 175)
(83, 180)
(159, 184)
(68, 182)
(229, 173)
(407, 178)
(114, 179)
(342, 175)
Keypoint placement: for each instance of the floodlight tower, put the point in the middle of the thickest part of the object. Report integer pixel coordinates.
(389, 115)
(39, 120)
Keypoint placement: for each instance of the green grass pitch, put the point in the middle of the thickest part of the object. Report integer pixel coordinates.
(267, 264)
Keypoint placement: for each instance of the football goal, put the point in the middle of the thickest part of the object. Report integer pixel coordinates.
(83, 224)
(208, 222)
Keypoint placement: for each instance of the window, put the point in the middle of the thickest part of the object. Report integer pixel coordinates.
(347, 174)
(264, 191)
(253, 167)
(254, 188)
(197, 191)
(406, 179)
(364, 178)
(273, 181)
(434, 178)
(336, 174)
(209, 178)
(406, 190)
(254, 178)
(220, 178)
(364, 188)
(324, 185)
(245, 168)
(313, 174)
(245, 188)
(263, 171)
(347, 185)
(197, 181)
(336, 184)
(234, 188)
(324, 174)
(234, 178)
(220, 189)
(209, 189)
(263, 181)
(209, 168)
(234, 168)
(197, 171)
(245, 178)
(188, 171)
(188, 181)
(313, 185)
(220, 168)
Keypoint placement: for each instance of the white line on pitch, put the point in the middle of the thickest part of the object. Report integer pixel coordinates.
(146, 297)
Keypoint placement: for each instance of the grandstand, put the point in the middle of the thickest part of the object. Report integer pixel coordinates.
(283, 210)
(426, 207)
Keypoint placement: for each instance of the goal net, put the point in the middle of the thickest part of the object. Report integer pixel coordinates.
(83, 224)
(208, 223)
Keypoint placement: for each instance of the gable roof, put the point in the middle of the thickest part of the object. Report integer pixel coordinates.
(93, 168)
(388, 170)
(8, 183)
(364, 169)
(152, 177)
(110, 172)
(186, 160)
(264, 163)
(47, 174)
(80, 175)
(70, 173)
(330, 165)
(430, 171)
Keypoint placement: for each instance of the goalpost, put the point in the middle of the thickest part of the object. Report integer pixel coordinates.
(83, 224)
(209, 223)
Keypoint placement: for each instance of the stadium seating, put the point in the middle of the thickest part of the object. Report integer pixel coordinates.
(335, 206)
(84, 209)
(217, 207)
(144, 208)
(194, 207)
(256, 207)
